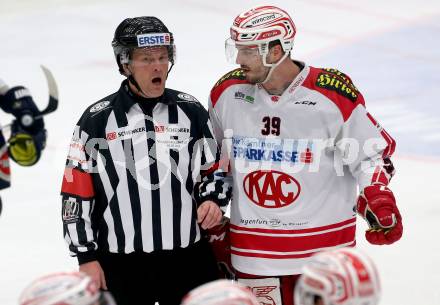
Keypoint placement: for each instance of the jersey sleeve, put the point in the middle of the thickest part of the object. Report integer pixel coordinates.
(217, 128)
(366, 148)
(78, 198)
(213, 185)
(215, 102)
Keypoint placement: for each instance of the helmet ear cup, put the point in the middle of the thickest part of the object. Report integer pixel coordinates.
(123, 60)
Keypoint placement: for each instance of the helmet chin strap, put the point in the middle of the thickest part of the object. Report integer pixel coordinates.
(169, 70)
(132, 80)
(272, 66)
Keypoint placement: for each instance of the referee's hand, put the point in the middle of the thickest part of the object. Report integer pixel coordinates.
(209, 214)
(94, 270)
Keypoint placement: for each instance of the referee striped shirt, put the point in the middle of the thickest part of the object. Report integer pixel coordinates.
(136, 171)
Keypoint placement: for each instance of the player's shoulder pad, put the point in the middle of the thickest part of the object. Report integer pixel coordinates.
(337, 86)
(231, 78)
(338, 82)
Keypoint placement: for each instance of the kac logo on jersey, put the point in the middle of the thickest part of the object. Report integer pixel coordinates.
(153, 39)
(271, 189)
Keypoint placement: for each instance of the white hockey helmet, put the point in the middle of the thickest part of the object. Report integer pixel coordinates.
(64, 288)
(260, 26)
(340, 277)
(220, 292)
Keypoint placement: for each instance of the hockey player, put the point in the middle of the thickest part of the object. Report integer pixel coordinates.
(64, 288)
(141, 180)
(300, 144)
(220, 292)
(340, 277)
(26, 141)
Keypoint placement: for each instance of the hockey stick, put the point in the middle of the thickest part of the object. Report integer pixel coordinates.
(53, 93)
(27, 119)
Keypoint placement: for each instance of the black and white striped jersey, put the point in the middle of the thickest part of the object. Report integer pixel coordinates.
(136, 171)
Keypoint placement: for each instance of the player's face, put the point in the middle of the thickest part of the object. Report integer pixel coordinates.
(249, 59)
(149, 67)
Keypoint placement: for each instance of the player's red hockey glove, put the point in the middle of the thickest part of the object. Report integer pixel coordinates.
(218, 237)
(377, 206)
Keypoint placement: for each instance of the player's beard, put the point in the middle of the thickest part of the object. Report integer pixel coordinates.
(258, 75)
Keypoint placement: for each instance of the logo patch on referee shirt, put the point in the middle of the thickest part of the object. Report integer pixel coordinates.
(70, 211)
(99, 106)
(172, 136)
(187, 97)
(124, 133)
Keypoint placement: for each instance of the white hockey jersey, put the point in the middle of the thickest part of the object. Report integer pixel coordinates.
(296, 162)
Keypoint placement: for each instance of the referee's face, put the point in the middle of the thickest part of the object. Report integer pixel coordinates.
(149, 66)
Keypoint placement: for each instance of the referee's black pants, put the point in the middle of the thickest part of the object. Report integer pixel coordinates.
(163, 276)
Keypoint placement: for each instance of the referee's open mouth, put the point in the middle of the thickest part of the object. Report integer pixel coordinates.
(157, 81)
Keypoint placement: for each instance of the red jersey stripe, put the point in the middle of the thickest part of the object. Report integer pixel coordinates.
(292, 243)
(279, 256)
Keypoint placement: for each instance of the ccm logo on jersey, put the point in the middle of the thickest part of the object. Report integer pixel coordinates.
(148, 40)
(271, 189)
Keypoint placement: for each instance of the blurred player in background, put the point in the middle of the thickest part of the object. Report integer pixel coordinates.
(64, 288)
(341, 277)
(220, 292)
(27, 138)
